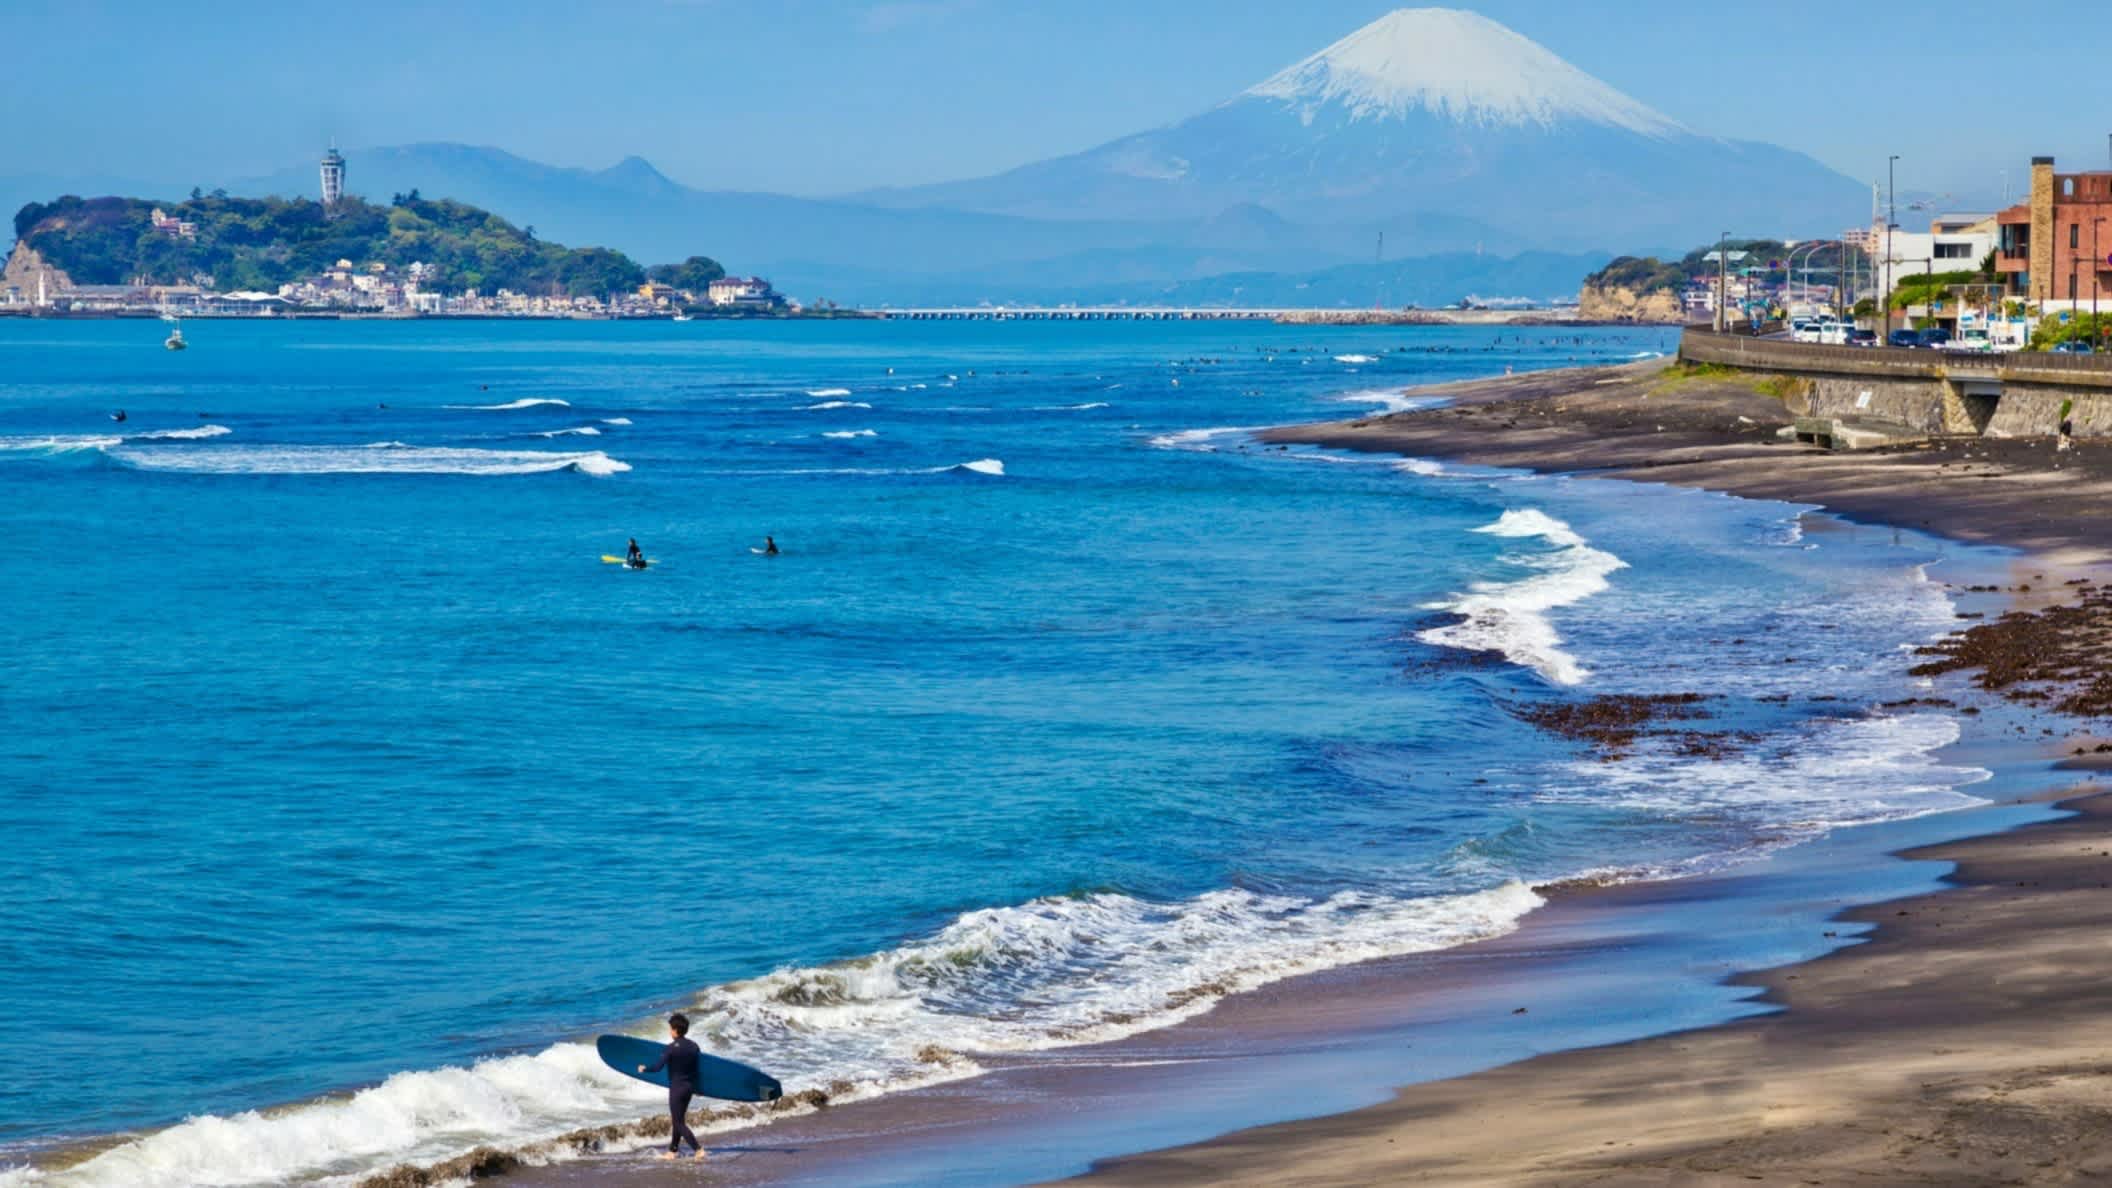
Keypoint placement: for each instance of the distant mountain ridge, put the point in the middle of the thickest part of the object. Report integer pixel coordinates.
(1431, 112)
(1450, 136)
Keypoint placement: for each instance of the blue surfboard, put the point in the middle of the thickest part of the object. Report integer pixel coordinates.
(728, 1080)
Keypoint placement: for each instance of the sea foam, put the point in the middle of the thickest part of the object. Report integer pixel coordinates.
(514, 405)
(1510, 618)
(377, 458)
(1051, 973)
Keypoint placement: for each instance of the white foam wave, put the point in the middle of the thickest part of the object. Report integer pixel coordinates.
(615, 420)
(1048, 974)
(65, 443)
(1355, 359)
(1392, 402)
(514, 405)
(577, 431)
(201, 432)
(1071, 407)
(826, 393)
(846, 434)
(990, 466)
(380, 458)
(828, 404)
(1421, 466)
(1828, 774)
(1204, 440)
(1510, 618)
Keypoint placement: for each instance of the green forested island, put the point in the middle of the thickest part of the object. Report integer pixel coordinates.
(262, 243)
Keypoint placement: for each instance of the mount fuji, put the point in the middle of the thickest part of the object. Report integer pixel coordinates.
(1432, 113)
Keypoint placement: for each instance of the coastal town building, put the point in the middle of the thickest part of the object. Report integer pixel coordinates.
(752, 292)
(1953, 243)
(2055, 248)
(173, 228)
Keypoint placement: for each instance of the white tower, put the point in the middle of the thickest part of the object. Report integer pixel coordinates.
(333, 176)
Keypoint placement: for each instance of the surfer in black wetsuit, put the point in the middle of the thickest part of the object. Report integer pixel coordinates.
(636, 557)
(769, 546)
(680, 1059)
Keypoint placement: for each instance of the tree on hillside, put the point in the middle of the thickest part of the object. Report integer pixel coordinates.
(694, 274)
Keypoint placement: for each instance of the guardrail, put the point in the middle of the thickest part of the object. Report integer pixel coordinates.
(1766, 354)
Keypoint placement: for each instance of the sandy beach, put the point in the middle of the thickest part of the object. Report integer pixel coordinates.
(1969, 1041)
(1964, 1042)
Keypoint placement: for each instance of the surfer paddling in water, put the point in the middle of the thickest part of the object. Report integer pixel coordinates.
(680, 1059)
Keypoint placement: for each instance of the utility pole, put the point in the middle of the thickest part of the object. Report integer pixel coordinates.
(2097, 264)
(1891, 222)
(1723, 283)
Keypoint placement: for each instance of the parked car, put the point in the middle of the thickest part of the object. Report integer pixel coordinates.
(2074, 346)
(1804, 330)
(1935, 338)
(1903, 338)
(1971, 342)
(1862, 338)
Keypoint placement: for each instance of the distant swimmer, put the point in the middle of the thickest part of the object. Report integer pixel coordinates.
(118, 416)
(635, 558)
(769, 546)
(680, 1059)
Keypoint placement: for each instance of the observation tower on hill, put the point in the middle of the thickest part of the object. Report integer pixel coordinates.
(333, 176)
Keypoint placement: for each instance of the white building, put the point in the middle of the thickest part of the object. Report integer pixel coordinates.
(1953, 243)
(752, 291)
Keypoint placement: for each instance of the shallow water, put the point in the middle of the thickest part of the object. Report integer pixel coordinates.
(337, 756)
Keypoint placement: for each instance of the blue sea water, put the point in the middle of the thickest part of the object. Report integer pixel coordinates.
(333, 757)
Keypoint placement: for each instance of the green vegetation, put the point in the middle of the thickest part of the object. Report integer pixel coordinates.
(2090, 328)
(693, 274)
(1925, 287)
(262, 243)
(1648, 274)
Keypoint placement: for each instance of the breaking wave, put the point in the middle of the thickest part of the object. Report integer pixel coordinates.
(378, 458)
(514, 405)
(67, 443)
(1391, 402)
(577, 431)
(1510, 618)
(1356, 359)
(828, 404)
(1051, 973)
(826, 393)
(846, 434)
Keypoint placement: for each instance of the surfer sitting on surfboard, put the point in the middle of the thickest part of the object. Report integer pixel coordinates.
(636, 557)
(680, 1059)
(769, 546)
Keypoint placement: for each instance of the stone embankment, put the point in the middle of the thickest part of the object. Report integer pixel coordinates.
(1931, 393)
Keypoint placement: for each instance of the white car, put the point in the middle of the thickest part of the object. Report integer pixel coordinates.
(1835, 333)
(1804, 330)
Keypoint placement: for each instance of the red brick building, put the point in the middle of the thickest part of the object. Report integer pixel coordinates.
(2056, 248)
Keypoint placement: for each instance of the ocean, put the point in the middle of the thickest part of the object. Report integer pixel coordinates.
(349, 791)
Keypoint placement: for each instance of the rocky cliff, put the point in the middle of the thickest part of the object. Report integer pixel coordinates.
(23, 267)
(1618, 303)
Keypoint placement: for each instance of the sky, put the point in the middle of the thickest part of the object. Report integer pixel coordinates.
(835, 96)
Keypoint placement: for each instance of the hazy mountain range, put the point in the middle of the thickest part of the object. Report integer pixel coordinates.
(1465, 144)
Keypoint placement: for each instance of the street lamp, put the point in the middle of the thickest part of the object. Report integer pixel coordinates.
(1891, 222)
(1723, 283)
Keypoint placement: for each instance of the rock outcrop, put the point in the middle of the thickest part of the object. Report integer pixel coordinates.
(1615, 303)
(24, 266)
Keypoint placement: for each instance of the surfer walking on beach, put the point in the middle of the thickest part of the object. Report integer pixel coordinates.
(680, 1059)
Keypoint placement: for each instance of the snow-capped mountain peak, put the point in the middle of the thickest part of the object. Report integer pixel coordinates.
(1458, 65)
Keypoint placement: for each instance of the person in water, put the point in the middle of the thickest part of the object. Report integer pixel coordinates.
(118, 416)
(636, 557)
(769, 546)
(680, 1058)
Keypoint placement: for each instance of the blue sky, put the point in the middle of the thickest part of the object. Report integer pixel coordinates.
(830, 96)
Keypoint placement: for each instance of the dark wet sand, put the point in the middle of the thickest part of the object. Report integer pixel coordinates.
(1634, 422)
(1968, 1043)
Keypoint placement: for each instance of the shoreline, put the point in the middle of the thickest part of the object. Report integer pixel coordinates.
(1277, 1015)
(1961, 1043)
(1718, 447)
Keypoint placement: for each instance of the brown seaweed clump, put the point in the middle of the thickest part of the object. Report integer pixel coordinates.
(1614, 722)
(2059, 655)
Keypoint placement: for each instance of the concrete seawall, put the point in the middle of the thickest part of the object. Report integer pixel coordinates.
(1929, 392)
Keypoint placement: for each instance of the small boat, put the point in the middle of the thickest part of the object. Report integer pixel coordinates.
(683, 317)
